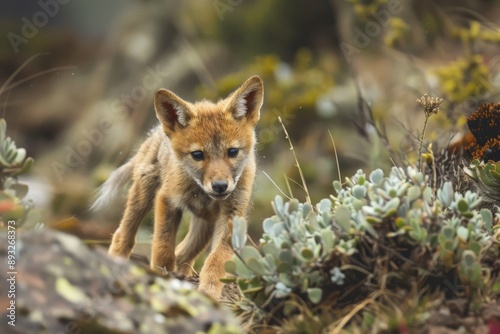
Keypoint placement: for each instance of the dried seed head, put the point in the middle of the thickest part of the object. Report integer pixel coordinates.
(430, 105)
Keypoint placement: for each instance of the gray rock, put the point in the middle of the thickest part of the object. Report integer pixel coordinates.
(63, 286)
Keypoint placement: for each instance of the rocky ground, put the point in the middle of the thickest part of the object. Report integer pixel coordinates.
(63, 286)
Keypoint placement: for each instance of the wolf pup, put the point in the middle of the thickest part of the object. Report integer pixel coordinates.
(200, 158)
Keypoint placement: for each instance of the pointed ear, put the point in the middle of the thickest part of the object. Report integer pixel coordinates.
(247, 100)
(171, 110)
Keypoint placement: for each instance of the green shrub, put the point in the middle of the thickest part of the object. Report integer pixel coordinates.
(379, 233)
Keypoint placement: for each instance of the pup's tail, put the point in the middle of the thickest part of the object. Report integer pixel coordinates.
(109, 190)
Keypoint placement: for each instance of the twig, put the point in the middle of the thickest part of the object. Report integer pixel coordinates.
(420, 145)
(430, 106)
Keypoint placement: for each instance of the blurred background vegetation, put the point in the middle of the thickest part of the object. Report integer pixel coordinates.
(77, 80)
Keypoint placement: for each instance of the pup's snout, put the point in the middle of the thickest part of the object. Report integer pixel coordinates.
(219, 186)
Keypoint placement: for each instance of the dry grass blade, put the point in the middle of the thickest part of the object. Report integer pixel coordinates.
(295, 182)
(277, 187)
(353, 312)
(336, 155)
(288, 185)
(308, 197)
(249, 238)
(7, 86)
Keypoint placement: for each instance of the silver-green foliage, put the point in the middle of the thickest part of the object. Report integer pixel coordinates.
(13, 162)
(487, 177)
(308, 252)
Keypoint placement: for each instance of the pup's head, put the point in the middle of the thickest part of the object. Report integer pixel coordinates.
(213, 142)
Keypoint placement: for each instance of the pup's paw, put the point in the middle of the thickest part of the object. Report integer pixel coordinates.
(213, 290)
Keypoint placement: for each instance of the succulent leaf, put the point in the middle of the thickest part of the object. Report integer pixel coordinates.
(315, 295)
(239, 235)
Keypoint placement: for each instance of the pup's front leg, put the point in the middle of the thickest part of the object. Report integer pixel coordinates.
(167, 219)
(138, 204)
(213, 269)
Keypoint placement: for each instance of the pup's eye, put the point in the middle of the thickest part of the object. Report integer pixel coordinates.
(232, 152)
(197, 155)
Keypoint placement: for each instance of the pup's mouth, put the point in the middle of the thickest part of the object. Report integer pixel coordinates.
(218, 196)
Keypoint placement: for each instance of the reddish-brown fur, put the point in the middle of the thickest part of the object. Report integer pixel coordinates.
(163, 171)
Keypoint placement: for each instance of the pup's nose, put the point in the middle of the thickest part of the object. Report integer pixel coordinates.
(219, 186)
